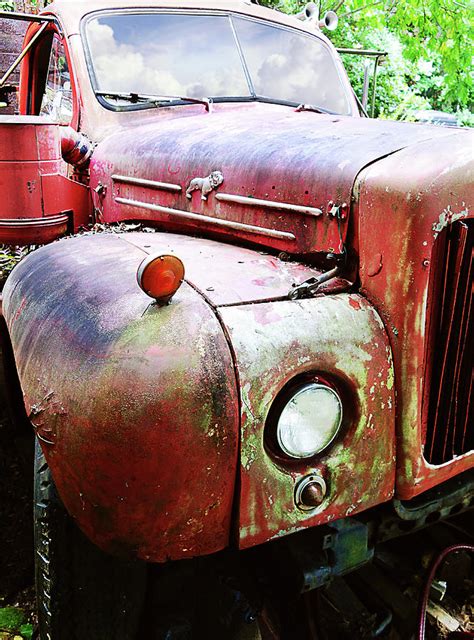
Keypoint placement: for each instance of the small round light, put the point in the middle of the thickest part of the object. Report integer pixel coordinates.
(160, 276)
(310, 492)
(310, 421)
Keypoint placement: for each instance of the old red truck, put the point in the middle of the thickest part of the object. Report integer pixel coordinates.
(272, 374)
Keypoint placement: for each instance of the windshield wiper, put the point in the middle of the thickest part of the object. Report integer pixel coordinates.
(315, 108)
(285, 103)
(137, 98)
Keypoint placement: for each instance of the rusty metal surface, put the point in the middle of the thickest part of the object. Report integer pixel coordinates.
(34, 185)
(412, 196)
(114, 384)
(131, 400)
(33, 230)
(135, 404)
(226, 274)
(342, 338)
(265, 152)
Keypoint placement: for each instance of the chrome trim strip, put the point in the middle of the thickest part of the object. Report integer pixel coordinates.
(22, 223)
(269, 204)
(229, 224)
(151, 184)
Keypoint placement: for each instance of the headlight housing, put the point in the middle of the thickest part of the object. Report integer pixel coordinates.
(309, 421)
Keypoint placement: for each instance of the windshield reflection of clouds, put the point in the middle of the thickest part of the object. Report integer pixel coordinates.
(166, 55)
(291, 66)
(196, 56)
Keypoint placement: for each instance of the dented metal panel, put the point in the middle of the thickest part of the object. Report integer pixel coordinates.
(341, 338)
(135, 404)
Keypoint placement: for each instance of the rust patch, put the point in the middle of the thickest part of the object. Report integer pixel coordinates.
(144, 397)
(354, 303)
(375, 265)
(323, 337)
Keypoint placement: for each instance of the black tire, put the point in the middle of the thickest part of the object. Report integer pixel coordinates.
(82, 593)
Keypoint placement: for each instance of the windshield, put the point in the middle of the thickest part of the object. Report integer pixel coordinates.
(214, 56)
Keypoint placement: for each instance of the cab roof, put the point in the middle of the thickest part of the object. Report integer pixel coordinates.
(71, 12)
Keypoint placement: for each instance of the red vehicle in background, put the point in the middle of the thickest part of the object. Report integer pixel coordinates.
(272, 375)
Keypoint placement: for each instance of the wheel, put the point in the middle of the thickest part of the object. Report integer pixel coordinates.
(82, 593)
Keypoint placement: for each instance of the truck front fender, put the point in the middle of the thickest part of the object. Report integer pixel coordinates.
(135, 404)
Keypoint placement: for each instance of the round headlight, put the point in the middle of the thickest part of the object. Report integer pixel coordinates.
(310, 421)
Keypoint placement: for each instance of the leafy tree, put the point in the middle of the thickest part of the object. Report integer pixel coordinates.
(439, 32)
(429, 42)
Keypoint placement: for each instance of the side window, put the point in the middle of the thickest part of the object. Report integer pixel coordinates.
(57, 97)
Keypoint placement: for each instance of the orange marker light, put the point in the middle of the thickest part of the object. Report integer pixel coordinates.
(160, 276)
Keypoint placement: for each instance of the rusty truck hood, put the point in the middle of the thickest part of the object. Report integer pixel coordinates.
(282, 171)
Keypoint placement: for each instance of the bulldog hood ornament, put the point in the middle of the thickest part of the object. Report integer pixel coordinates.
(205, 185)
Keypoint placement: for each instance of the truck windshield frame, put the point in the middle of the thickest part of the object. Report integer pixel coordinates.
(237, 26)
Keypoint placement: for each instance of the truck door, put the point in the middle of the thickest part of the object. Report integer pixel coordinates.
(47, 85)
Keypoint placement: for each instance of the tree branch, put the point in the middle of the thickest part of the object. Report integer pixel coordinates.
(367, 6)
(338, 5)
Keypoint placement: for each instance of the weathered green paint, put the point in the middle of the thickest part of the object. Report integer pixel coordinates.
(340, 337)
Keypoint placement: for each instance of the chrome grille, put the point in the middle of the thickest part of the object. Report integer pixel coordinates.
(449, 419)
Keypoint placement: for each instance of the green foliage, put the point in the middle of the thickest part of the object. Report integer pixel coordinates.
(26, 630)
(393, 89)
(466, 118)
(441, 32)
(28, 6)
(11, 618)
(430, 47)
(13, 621)
(9, 258)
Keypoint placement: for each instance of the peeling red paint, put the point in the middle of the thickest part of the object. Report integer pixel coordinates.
(354, 303)
(323, 331)
(420, 203)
